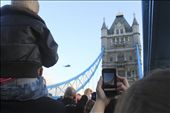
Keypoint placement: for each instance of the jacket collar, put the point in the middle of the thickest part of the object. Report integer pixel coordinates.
(13, 10)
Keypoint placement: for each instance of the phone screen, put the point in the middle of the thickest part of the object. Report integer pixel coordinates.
(109, 82)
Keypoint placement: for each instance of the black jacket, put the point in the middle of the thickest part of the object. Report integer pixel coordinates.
(69, 105)
(26, 43)
(72, 107)
(40, 105)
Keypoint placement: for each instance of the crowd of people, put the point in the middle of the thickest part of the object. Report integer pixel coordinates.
(27, 45)
(77, 103)
(149, 95)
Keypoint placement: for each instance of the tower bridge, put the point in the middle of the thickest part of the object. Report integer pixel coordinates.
(121, 49)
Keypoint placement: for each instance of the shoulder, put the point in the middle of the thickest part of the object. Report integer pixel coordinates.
(22, 14)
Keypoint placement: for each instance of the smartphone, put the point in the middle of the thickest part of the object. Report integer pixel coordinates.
(109, 82)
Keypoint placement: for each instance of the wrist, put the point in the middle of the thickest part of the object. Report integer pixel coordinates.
(102, 102)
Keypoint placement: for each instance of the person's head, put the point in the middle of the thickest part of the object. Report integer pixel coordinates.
(32, 5)
(88, 93)
(78, 97)
(149, 95)
(88, 90)
(70, 93)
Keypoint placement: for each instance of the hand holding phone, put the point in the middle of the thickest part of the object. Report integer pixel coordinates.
(109, 82)
(122, 84)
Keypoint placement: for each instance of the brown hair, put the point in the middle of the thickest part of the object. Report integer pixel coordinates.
(150, 95)
(70, 92)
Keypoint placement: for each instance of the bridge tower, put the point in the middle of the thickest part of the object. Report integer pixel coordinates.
(120, 43)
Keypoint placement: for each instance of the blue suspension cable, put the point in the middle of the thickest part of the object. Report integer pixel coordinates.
(140, 74)
(81, 74)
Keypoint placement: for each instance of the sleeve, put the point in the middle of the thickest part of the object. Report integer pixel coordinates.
(48, 48)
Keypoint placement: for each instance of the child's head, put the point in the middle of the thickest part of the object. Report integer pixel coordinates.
(32, 5)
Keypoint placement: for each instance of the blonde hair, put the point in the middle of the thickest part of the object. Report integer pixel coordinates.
(32, 5)
(88, 90)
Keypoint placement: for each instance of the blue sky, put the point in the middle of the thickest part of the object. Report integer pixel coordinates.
(76, 27)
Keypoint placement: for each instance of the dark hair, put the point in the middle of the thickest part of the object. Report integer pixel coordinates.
(93, 96)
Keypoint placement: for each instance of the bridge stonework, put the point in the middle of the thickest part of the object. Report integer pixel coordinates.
(120, 43)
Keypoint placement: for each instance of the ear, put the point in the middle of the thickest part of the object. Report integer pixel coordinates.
(40, 71)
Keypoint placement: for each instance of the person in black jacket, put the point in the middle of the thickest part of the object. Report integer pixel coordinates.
(69, 100)
(26, 46)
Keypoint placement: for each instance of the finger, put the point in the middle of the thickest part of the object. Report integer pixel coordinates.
(123, 80)
(120, 78)
(119, 84)
(122, 88)
(99, 84)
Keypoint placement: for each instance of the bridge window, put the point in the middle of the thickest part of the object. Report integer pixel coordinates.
(130, 57)
(111, 59)
(133, 73)
(121, 40)
(115, 40)
(126, 39)
(120, 57)
(117, 31)
(121, 31)
(128, 74)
